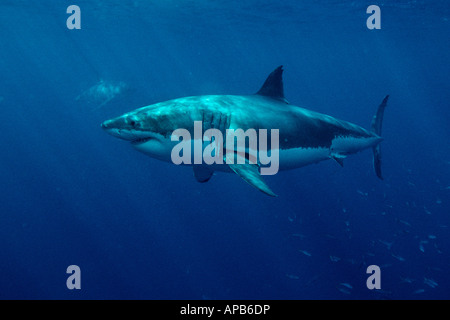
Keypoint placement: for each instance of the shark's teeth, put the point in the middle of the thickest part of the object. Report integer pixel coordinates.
(140, 140)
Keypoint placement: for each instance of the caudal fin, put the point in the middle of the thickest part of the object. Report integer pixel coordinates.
(376, 128)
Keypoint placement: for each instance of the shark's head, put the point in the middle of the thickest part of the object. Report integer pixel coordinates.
(148, 129)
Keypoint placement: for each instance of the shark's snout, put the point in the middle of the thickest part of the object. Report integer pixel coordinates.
(116, 123)
(104, 124)
(128, 128)
(118, 128)
(125, 122)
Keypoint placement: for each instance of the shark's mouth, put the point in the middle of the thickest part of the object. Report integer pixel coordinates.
(141, 141)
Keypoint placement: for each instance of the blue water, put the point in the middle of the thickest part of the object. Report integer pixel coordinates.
(139, 228)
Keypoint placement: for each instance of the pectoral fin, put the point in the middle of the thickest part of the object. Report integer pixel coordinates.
(338, 158)
(202, 173)
(250, 174)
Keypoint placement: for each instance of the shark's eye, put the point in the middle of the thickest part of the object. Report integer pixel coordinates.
(133, 123)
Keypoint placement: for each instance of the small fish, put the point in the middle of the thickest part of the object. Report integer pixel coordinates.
(347, 285)
(399, 258)
(406, 280)
(334, 258)
(431, 236)
(430, 282)
(344, 290)
(437, 248)
(387, 244)
(362, 193)
(306, 253)
(292, 276)
(426, 210)
(421, 243)
(419, 291)
(438, 201)
(406, 223)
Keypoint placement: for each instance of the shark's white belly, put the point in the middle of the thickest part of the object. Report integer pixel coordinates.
(290, 159)
(287, 159)
(349, 145)
(300, 157)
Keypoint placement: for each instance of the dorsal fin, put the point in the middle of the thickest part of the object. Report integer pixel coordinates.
(273, 86)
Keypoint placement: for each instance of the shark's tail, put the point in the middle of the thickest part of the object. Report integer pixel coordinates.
(376, 128)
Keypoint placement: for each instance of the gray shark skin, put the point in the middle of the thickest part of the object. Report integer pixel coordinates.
(305, 136)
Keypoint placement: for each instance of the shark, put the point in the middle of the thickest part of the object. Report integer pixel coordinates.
(304, 136)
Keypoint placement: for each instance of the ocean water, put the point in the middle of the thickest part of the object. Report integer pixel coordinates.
(139, 228)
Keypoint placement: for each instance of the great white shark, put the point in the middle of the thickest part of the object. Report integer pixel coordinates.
(305, 136)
